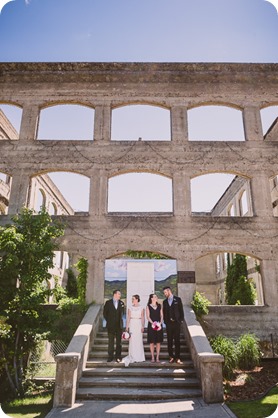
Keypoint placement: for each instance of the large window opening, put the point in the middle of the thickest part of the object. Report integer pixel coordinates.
(230, 279)
(274, 194)
(61, 193)
(221, 194)
(10, 119)
(116, 274)
(66, 122)
(269, 117)
(140, 192)
(215, 123)
(5, 190)
(141, 122)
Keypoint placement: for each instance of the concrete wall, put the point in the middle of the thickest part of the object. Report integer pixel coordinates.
(98, 235)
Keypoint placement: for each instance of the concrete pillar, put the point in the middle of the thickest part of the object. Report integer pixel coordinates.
(66, 379)
(19, 192)
(252, 124)
(29, 122)
(179, 123)
(269, 272)
(95, 282)
(186, 280)
(261, 195)
(102, 125)
(211, 377)
(181, 194)
(98, 193)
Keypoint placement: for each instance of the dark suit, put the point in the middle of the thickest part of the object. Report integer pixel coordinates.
(114, 325)
(173, 316)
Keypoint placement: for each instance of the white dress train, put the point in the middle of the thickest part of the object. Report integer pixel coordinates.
(136, 348)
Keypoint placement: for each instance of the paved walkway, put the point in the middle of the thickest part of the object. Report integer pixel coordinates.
(194, 408)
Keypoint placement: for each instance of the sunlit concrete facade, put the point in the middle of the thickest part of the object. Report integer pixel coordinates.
(41, 192)
(98, 235)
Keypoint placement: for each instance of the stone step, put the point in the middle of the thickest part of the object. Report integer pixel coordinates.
(100, 363)
(138, 382)
(104, 347)
(134, 393)
(155, 370)
(104, 341)
(162, 356)
(104, 335)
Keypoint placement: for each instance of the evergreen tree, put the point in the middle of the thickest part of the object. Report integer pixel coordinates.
(239, 289)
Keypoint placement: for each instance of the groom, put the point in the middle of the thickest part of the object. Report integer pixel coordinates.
(173, 317)
(113, 314)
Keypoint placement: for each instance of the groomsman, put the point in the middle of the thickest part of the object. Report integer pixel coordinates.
(173, 317)
(113, 314)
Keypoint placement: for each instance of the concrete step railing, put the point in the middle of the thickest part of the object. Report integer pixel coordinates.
(207, 363)
(69, 366)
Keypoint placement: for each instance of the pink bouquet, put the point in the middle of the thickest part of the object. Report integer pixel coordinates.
(156, 326)
(126, 335)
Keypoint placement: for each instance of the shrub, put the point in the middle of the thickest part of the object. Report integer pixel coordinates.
(200, 304)
(248, 351)
(227, 348)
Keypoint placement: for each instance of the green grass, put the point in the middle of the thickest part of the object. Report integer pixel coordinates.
(29, 407)
(260, 408)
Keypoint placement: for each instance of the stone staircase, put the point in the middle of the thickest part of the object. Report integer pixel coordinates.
(139, 381)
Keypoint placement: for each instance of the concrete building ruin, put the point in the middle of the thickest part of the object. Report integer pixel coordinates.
(99, 235)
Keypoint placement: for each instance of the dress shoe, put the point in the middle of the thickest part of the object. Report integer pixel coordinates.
(171, 360)
(118, 360)
(178, 360)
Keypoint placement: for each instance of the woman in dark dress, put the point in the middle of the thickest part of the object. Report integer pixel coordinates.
(155, 332)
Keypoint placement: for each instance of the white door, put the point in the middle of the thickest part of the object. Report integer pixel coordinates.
(140, 281)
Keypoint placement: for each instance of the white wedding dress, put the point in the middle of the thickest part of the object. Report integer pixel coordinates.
(136, 347)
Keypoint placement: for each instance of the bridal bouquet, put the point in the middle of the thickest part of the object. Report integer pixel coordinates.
(156, 326)
(126, 335)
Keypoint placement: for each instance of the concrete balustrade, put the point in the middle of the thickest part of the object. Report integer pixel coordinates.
(70, 364)
(207, 363)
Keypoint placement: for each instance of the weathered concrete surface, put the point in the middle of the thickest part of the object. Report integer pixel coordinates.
(177, 87)
(207, 363)
(194, 408)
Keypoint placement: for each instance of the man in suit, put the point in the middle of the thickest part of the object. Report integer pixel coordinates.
(173, 317)
(113, 314)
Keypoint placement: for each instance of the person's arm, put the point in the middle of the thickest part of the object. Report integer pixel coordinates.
(161, 315)
(164, 313)
(143, 319)
(105, 311)
(127, 320)
(148, 315)
(181, 310)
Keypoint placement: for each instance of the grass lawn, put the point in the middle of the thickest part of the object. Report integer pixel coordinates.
(260, 408)
(29, 407)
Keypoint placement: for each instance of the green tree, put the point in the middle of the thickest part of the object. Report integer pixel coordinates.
(239, 289)
(27, 248)
(145, 254)
(82, 267)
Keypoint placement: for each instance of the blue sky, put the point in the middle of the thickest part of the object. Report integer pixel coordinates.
(139, 30)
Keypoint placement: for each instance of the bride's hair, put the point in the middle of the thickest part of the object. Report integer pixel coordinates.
(136, 297)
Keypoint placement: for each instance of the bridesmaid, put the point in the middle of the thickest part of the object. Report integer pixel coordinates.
(154, 315)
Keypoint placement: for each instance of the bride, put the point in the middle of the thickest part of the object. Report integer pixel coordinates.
(135, 326)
